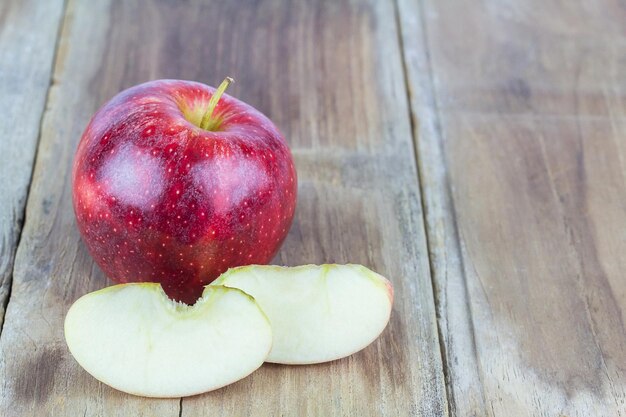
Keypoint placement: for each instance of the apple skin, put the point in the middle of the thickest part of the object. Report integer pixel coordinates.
(159, 199)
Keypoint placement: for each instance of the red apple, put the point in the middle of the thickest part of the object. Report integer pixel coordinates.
(174, 183)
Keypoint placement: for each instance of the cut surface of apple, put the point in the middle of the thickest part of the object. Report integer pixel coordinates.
(135, 339)
(318, 313)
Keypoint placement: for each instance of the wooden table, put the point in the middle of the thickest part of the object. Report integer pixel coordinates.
(473, 152)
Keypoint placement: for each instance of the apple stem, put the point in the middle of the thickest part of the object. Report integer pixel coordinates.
(207, 122)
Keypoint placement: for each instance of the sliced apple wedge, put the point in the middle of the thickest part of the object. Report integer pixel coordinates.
(135, 339)
(317, 313)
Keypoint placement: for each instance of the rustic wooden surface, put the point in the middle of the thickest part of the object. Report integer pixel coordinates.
(522, 142)
(510, 298)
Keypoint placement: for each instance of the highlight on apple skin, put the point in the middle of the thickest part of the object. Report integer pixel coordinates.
(317, 313)
(137, 340)
(175, 183)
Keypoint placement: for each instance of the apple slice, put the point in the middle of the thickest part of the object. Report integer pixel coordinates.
(135, 339)
(317, 313)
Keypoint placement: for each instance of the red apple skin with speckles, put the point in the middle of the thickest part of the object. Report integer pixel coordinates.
(159, 199)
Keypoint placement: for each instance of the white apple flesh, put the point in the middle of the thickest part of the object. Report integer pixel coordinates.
(135, 339)
(317, 313)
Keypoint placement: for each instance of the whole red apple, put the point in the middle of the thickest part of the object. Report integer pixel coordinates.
(174, 182)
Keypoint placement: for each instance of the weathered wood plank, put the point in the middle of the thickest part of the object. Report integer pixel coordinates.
(28, 32)
(521, 111)
(330, 76)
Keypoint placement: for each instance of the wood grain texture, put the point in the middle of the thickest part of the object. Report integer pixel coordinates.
(330, 75)
(463, 382)
(521, 111)
(28, 33)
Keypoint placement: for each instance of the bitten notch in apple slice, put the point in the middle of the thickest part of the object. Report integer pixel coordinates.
(318, 313)
(135, 339)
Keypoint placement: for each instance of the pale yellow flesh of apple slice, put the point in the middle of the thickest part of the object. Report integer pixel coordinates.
(317, 313)
(135, 339)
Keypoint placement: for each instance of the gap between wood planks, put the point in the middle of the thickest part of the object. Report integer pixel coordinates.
(22, 217)
(446, 191)
(414, 133)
